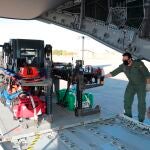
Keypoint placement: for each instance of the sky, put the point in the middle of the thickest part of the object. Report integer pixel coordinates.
(58, 37)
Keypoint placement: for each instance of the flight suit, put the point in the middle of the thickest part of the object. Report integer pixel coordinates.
(137, 74)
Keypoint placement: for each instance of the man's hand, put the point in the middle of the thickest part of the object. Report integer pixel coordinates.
(108, 75)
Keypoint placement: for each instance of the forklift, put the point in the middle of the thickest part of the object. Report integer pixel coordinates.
(21, 52)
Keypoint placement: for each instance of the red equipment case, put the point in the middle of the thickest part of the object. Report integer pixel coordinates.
(29, 107)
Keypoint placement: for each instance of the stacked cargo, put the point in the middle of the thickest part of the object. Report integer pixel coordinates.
(23, 102)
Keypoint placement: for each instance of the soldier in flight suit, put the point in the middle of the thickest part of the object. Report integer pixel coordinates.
(136, 72)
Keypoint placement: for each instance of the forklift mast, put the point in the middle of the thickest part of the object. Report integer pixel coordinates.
(19, 52)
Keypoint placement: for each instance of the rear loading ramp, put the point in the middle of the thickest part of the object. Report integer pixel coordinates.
(99, 138)
(108, 134)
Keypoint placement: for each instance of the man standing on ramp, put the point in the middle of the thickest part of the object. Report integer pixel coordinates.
(137, 73)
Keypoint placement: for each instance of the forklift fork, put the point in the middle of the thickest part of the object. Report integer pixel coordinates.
(79, 110)
(87, 111)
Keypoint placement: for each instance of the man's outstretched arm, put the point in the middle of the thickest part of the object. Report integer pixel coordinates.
(114, 72)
